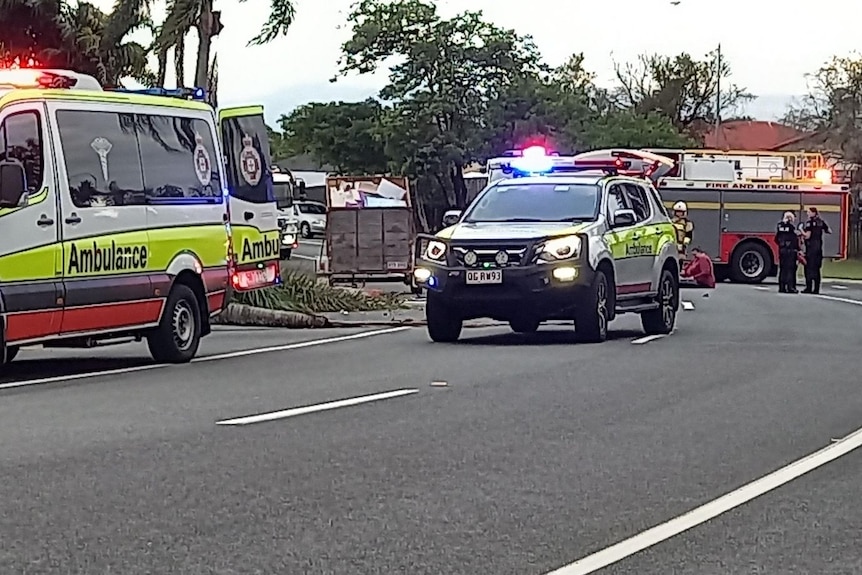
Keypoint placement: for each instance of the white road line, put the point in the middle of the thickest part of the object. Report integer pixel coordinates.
(687, 306)
(702, 514)
(763, 288)
(839, 287)
(302, 257)
(841, 299)
(318, 407)
(647, 339)
(242, 353)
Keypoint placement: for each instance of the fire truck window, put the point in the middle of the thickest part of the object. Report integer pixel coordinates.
(616, 200)
(21, 141)
(638, 200)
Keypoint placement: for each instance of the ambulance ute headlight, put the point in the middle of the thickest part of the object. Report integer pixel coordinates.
(422, 274)
(435, 251)
(563, 248)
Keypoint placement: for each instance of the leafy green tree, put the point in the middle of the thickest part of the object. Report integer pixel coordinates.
(451, 69)
(680, 87)
(341, 134)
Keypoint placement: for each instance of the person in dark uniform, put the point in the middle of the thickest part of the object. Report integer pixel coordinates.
(788, 250)
(812, 232)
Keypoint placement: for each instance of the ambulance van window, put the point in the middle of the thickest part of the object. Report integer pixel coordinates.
(102, 160)
(179, 160)
(638, 201)
(246, 147)
(21, 140)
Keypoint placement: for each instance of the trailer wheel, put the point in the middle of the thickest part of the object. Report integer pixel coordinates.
(751, 263)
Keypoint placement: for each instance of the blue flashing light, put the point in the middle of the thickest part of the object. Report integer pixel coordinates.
(198, 94)
(432, 281)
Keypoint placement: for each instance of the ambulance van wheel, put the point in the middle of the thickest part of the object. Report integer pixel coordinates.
(443, 325)
(593, 317)
(662, 320)
(178, 336)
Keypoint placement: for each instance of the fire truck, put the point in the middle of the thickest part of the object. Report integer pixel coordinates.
(736, 198)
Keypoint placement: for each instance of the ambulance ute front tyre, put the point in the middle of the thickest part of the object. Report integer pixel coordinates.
(178, 336)
(11, 352)
(444, 325)
(662, 320)
(593, 316)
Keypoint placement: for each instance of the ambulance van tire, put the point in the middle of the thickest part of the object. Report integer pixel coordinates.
(178, 336)
(11, 353)
(746, 254)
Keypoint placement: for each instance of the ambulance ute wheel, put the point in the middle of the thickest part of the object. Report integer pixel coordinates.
(593, 317)
(443, 325)
(662, 320)
(178, 336)
(11, 352)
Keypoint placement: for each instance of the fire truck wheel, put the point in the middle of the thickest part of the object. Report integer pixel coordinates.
(751, 263)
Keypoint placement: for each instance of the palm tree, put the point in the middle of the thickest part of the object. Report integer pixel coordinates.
(183, 15)
(82, 38)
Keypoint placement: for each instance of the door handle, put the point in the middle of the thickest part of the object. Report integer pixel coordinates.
(248, 216)
(44, 221)
(73, 219)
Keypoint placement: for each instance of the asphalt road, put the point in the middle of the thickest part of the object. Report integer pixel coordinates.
(538, 452)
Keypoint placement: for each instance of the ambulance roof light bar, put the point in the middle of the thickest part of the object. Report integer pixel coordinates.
(197, 94)
(39, 78)
(533, 162)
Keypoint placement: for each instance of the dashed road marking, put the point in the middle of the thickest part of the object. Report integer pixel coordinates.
(839, 287)
(271, 416)
(302, 257)
(763, 288)
(702, 514)
(687, 306)
(229, 355)
(647, 339)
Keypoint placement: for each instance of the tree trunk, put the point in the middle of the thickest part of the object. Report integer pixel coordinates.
(240, 314)
(162, 69)
(180, 62)
(205, 39)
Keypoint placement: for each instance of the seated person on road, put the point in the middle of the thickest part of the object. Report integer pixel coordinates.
(700, 269)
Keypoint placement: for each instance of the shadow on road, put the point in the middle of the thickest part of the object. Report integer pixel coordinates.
(543, 337)
(26, 369)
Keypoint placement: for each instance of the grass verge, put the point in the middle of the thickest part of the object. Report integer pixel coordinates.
(850, 269)
(304, 294)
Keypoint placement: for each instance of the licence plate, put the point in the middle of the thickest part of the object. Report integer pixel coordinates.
(480, 277)
(254, 278)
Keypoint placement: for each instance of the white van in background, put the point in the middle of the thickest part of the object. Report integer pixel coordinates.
(284, 187)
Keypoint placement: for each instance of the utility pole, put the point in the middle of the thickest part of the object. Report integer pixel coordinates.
(717, 94)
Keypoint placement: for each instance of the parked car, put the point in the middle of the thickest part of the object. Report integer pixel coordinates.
(312, 218)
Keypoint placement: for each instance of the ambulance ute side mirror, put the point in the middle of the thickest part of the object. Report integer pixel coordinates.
(301, 184)
(624, 218)
(13, 184)
(451, 217)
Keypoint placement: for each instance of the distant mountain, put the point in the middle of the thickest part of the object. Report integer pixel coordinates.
(766, 107)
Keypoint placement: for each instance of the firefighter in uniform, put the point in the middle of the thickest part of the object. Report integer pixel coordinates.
(788, 251)
(684, 228)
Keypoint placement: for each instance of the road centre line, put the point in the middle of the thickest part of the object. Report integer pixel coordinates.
(687, 306)
(647, 339)
(283, 414)
(663, 532)
(229, 355)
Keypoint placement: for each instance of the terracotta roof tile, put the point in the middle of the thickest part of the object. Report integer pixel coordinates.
(750, 135)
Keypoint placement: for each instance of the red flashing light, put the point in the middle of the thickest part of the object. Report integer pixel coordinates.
(34, 78)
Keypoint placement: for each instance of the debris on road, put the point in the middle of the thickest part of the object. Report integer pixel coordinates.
(240, 314)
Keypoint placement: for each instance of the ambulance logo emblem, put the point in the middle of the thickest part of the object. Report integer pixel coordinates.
(203, 165)
(102, 147)
(250, 165)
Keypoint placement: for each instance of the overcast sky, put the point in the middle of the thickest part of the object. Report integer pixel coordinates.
(762, 39)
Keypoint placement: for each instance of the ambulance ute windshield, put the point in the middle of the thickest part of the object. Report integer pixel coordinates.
(545, 202)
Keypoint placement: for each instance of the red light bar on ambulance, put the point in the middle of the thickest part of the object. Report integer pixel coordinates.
(32, 78)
